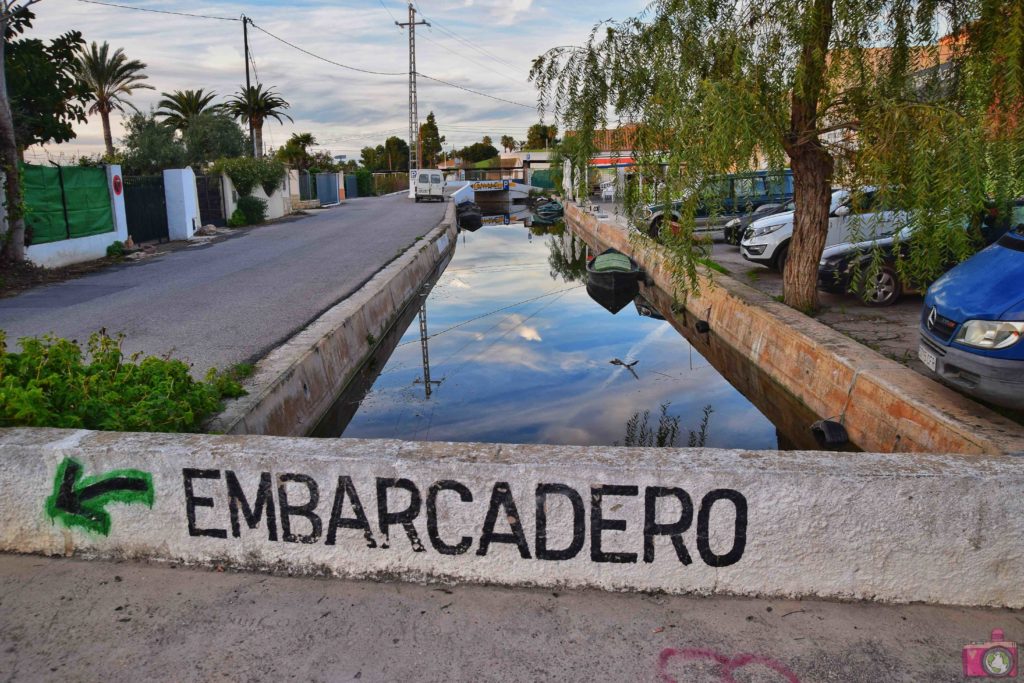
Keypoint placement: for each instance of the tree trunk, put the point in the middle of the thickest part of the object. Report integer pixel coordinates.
(257, 132)
(108, 140)
(14, 244)
(812, 164)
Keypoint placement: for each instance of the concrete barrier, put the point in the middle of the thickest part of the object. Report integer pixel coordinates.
(884, 406)
(938, 529)
(296, 384)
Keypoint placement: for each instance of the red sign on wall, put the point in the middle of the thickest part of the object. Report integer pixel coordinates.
(117, 185)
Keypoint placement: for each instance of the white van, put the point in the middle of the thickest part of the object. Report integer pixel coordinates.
(429, 185)
(766, 241)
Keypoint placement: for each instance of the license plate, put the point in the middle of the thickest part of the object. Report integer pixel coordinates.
(927, 357)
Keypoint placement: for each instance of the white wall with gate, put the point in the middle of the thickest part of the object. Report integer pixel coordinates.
(80, 249)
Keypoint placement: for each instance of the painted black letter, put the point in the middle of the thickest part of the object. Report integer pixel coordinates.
(345, 487)
(739, 541)
(543, 490)
(466, 496)
(405, 517)
(674, 530)
(191, 502)
(599, 524)
(308, 510)
(264, 499)
(501, 497)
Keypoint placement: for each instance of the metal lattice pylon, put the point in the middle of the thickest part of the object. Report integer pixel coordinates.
(414, 122)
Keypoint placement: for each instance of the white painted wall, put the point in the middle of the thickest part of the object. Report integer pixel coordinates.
(896, 527)
(182, 201)
(80, 249)
(278, 204)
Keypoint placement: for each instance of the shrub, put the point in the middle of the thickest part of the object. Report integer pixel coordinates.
(271, 172)
(364, 183)
(246, 173)
(253, 209)
(116, 249)
(237, 219)
(49, 384)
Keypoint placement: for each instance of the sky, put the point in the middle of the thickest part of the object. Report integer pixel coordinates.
(486, 45)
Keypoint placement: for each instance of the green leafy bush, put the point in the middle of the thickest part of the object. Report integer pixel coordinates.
(246, 173)
(253, 208)
(364, 183)
(50, 384)
(237, 219)
(116, 249)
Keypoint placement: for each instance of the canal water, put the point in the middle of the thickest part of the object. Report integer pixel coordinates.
(517, 352)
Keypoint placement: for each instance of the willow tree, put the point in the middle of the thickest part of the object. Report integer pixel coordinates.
(920, 99)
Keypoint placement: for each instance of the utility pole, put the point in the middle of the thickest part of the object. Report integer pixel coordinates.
(245, 40)
(414, 122)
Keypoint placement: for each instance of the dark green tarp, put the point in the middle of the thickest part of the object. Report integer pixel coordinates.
(85, 193)
(44, 204)
(88, 201)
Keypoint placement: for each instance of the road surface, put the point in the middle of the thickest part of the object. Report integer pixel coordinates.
(232, 301)
(63, 619)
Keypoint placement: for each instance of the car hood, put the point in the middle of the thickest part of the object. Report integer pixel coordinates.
(775, 219)
(987, 286)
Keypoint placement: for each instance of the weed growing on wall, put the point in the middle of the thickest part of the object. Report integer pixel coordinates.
(53, 383)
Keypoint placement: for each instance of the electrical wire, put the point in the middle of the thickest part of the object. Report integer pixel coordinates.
(325, 59)
(159, 11)
(475, 92)
(434, 23)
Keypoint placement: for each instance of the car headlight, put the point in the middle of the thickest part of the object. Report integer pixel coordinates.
(989, 334)
(767, 230)
(647, 212)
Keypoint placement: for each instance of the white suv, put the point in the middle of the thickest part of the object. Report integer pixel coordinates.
(766, 241)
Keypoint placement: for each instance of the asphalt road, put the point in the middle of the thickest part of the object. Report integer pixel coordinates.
(73, 620)
(220, 304)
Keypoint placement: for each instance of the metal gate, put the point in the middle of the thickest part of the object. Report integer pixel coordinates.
(145, 208)
(211, 203)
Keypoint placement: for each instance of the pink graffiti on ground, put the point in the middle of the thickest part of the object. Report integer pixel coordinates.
(727, 664)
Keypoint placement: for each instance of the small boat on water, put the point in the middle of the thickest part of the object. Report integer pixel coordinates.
(469, 216)
(613, 280)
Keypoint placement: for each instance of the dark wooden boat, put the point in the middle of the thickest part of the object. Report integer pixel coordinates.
(613, 280)
(469, 216)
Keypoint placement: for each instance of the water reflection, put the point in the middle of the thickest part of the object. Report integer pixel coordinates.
(523, 355)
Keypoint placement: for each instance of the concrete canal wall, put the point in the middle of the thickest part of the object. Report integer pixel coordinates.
(937, 529)
(885, 406)
(296, 384)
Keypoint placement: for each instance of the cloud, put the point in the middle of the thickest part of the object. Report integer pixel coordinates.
(529, 333)
(345, 110)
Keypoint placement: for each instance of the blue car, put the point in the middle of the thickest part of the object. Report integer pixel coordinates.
(973, 319)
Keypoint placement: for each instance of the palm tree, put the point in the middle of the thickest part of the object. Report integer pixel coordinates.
(180, 107)
(257, 105)
(109, 78)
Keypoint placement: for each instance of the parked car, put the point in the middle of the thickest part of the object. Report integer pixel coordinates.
(737, 194)
(883, 286)
(734, 229)
(766, 241)
(973, 320)
(429, 185)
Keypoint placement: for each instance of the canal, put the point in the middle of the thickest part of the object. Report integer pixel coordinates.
(515, 351)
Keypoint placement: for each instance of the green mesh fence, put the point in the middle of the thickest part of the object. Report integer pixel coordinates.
(61, 203)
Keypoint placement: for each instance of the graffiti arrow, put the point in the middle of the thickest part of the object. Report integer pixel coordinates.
(78, 501)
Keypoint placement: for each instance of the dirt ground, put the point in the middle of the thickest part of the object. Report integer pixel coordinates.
(890, 330)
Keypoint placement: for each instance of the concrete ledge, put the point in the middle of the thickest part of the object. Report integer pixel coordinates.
(938, 529)
(295, 385)
(885, 406)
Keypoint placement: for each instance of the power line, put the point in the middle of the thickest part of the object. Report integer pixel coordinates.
(470, 59)
(456, 36)
(476, 92)
(159, 11)
(388, 11)
(324, 59)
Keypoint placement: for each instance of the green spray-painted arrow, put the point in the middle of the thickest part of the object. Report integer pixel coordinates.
(78, 501)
